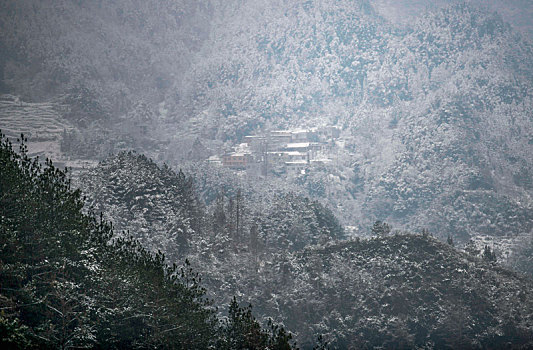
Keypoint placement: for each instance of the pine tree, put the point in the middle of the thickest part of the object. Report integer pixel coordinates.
(489, 254)
(66, 281)
(64, 278)
(450, 241)
(381, 228)
(242, 331)
(219, 215)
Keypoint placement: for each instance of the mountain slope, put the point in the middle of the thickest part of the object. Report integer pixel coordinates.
(156, 205)
(66, 283)
(436, 117)
(461, 139)
(115, 53)
(402, 290)
(163, 210)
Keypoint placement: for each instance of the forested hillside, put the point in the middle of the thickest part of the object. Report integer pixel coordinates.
(289, 260)
(436, 117)
(163, 210)
(404, 117)
(66, 281)
(404, 291)
(99, 53)
(435, 114)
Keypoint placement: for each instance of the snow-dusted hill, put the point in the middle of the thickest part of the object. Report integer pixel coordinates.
(414, 288)
(436, 132)
(283, 255)
(435, 115)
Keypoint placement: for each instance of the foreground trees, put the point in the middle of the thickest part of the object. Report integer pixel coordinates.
(66, 282)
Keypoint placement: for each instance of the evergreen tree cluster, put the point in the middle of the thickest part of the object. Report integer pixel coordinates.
(404, 291)
(289, 222)
(157, 205)
(242, 331)
(66, 281)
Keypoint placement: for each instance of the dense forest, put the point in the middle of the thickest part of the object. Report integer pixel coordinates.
(66, 281)
(70, 280)
(434, 114)
(291, 259)
(360, 171)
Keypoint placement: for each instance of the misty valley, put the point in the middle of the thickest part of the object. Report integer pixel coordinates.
(306, 174)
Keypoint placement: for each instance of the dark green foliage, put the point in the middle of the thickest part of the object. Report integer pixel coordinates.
(46, 249)
(450, 241)
(242, 331)
(67, 282)
(327, 222)
(321, 344)
(219, 215)
(13, 335)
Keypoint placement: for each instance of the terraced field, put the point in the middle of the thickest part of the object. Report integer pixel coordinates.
(41, 123)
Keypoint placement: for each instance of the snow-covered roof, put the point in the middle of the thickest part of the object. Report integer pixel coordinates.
(300, 131)
(321, 160)
(298, 145)
(295, 153)
(242, 148)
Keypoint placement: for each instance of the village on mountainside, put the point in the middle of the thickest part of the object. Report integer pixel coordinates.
(281, 151)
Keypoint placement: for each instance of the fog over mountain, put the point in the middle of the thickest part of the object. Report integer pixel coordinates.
(517, 13)
(421, 108)
(254, 136)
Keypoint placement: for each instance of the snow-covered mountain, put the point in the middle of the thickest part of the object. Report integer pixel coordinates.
(434, 104)
(177, 213)
(436, 116)
(435, 112)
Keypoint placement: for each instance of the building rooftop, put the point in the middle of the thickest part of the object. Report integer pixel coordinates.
(298, 145)
(238, 154)
(320, 160)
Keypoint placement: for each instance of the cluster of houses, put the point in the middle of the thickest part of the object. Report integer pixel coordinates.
(280, 150)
